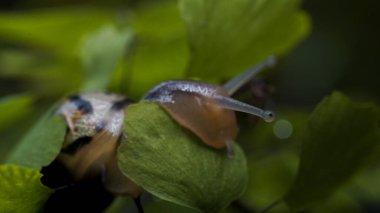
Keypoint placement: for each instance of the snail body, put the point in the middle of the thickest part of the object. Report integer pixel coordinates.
(194, 106)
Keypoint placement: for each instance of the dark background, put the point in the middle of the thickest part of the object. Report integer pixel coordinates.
(340, 53)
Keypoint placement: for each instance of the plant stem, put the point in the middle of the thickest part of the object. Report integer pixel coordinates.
(270, 206)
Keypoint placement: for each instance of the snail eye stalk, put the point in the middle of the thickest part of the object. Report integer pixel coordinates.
(234, 84)
(232, 104)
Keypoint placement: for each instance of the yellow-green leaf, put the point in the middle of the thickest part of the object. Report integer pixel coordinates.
(21, 189)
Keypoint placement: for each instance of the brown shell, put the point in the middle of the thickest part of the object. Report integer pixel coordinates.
(99, 158)
(214, 125)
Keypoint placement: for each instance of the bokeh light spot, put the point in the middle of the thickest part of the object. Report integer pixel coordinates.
(283, 129)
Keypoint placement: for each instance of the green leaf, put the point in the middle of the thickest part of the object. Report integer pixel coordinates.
(15, 110)
(41, 144)
(161, 49)
(340, 137)
(227, 36)
(21, 189)
(174, 165)
(100, 54)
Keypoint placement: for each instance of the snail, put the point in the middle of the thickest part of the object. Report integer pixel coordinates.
(207, 110)
(95, 123)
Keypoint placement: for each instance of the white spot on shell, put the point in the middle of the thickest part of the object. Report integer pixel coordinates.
(101, 116)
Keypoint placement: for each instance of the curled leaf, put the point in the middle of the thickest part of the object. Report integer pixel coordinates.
(174, 165)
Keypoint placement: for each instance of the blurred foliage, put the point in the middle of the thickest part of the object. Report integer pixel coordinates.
(41, 47)
(52, 48)
(14, 108)
(326, 161)
(100, 57)
(161, 49)
(226, 38)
